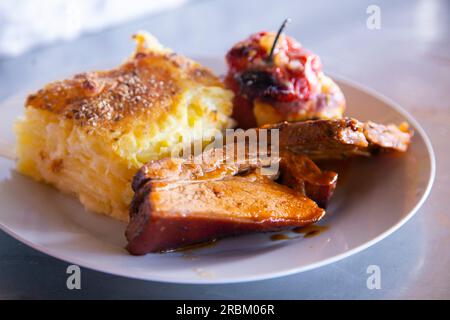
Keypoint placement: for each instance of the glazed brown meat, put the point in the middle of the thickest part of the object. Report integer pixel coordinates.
(335, 139)
(179, 202)
(213, 164)
(168, 213)
(302, 174)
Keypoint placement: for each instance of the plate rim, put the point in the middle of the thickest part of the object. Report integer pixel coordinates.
(287, 271)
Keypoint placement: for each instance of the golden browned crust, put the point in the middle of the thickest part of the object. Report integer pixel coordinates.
(146, 85)
(88, 135)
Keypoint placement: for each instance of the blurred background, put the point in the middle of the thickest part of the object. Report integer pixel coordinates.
(25, 24)
(74, 35)
(404, 54)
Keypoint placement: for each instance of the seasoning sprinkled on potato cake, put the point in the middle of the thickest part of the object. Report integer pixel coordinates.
(97, 128)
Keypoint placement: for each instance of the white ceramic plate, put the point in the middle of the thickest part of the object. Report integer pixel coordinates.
(376, 198)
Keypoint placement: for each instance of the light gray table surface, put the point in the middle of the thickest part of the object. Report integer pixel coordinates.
(408, 60)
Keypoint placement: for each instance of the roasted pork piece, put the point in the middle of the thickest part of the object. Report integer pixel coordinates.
(335, 139)
(302, 174)
(178, 203)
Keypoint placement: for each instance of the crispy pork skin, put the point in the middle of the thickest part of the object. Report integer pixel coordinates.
(169, 213)
(335, 139)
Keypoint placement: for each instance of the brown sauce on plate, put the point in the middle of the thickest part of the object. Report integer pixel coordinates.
(280, 236)
(307, 231)
(196, 246)
(310, 230)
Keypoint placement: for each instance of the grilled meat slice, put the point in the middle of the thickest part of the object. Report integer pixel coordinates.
(297, 171)
(302, 174)
(182, 202)
(168, 213)
(212, 164)
(334, 139)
